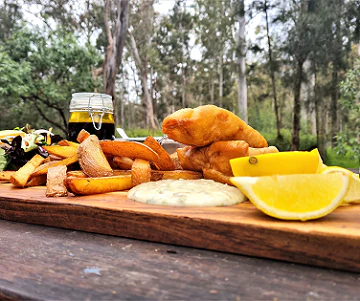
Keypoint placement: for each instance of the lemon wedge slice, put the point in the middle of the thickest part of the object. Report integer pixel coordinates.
(282, 163)
(353, 193)
(295, 197)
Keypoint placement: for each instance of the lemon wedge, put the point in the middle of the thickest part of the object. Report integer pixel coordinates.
(295, 197)
(282, 163)
(353, 193)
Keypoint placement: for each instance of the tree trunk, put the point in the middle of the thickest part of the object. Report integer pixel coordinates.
(183, 92)
(307, 95)
(221, 81)
(334, 105)
(114, 50)
(319, 118)
(320, 126)
(241, 53)
(212, 92)
(272, 74)
(335, 76)
(295, 141)
(149, 110)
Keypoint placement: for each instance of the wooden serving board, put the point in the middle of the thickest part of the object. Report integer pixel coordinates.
(333, 241)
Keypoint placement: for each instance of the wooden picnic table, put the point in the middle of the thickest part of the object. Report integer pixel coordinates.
(45, 263)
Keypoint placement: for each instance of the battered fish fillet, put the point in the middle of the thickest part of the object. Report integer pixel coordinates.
(262, 151)
(213, 160)
(206, 124)
(215, 156)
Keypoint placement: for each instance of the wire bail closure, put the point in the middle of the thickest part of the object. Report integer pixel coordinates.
(91, 113)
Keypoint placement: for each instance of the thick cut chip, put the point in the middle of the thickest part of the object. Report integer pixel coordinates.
(92, 159)
(83, 134)
(123, 162)
(295, 197)
(61, 151)
(140, 172)
(55, 184)
(5, 175)
(157, 175)
(43, 168)
(37, 181)
(68, 143)
(87, 186)
(165, 162)
(129, 149)
(20, 178)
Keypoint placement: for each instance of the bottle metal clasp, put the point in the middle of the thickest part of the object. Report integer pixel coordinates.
(90, 112)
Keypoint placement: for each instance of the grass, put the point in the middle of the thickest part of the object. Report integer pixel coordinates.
(138, 132)
(347, 161)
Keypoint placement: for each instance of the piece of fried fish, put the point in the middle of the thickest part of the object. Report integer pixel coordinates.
(215, 156)
(206, 124)
(214, 160)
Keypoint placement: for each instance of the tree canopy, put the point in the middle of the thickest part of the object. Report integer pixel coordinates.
(299, 60)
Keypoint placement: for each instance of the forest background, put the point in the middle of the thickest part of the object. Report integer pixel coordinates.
(290, 68)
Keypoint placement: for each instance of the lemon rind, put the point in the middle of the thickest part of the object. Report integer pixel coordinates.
(285, 215)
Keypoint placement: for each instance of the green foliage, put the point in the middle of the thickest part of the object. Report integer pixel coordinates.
(350, 89)
(138, 132)
(14, 76)
(348, 147)
(307, 141)
(39, 70)
(346, 160)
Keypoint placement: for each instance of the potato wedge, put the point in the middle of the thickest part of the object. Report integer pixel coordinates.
(129, 149)
(42, 169)
(164, 162)
(87, 186)
(5, 175)
(36, 181)
(121, 172)
(55, 181)
(92, 160)
(20, 177)
(157, 175)
(217, 176)
(81, 174)
(123, 162)
(68, 143)
(140, 172)
(76, 174)
(83, 134)
(175, 158)
(61, 151)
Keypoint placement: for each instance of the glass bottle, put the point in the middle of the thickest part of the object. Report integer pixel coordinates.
(93, 112)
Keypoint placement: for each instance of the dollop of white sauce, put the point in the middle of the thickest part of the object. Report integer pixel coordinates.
(198, 193)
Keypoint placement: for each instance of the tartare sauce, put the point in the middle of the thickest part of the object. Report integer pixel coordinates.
(198, 193)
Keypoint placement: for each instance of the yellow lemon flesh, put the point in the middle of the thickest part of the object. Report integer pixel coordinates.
(353, 193)
(282, 163)
(295, 197)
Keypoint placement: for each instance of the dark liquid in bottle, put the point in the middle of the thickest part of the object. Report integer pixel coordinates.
(106, 131)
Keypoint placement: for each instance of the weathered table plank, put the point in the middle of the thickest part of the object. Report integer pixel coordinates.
(333, 241)
(44, 263)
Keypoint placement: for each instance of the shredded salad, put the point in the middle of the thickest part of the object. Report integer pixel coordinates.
(19, 145)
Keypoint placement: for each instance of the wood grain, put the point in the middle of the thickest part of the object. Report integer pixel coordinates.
(45, 263)
(333, 241)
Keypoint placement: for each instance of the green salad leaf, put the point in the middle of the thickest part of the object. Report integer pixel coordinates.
(3, 160)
